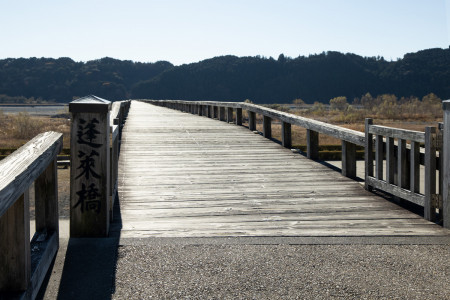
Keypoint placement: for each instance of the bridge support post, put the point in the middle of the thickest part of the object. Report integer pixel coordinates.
(229, 114)
(446, 165)
(209, 110)
(348, 159)
(15, 246)
(215, 112)
(312, 144)
(89, 172)
(199, 110)
(238, 116)
(286, 136)
(222, 113)
(251, 120)
(368, 154)
(267, 127)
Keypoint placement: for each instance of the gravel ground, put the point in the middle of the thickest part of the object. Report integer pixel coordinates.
(283, 272)
(63, 194)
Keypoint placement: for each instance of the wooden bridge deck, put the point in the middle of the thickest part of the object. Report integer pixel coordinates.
(182, 175)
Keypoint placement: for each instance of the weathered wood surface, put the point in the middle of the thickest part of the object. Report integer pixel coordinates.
(20, 169)
(185, 175)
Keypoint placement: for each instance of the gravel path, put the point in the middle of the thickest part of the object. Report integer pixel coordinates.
(283, 272)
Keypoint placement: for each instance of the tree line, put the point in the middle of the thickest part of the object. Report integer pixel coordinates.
(313, 78)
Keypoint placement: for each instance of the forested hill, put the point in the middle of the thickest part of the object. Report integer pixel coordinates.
(229, 78)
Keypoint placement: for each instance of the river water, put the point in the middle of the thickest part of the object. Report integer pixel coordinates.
(36, 110)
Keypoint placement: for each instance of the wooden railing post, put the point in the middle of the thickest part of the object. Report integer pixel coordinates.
(199, 110)
(368, 154)
(251, 120)
(215, 112)
(348, 159)
(209, 110)
(430, 174)
(222, 113)
(90, 167)
(267, 127)
(446, 165)
(239, 116)
(46, 200)
(286, 135)
(312, 144)
(229, 114)
(15, 256)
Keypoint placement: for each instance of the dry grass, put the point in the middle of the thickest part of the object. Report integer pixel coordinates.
(16, 130)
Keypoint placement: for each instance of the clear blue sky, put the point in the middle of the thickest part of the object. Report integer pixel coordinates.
(184, 31)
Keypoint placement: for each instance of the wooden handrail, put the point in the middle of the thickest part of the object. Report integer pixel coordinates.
(21, 168)
(33, 162)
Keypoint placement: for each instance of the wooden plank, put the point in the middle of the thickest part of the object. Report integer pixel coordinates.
(398, 133)
(15, 259)
(21, 168)
(397, 191)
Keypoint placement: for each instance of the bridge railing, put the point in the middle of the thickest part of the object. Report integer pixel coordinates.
(403, 160)
(401, 175)
(24, 264)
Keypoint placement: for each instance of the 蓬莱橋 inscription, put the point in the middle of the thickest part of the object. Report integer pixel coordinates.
(89, 174)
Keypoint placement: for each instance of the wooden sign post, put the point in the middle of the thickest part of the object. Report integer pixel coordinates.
(89, 172)
(446, 164)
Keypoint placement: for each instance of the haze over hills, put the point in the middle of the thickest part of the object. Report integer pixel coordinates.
(318, 77)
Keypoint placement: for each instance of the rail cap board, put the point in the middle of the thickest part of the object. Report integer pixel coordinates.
(115, 110)
(410, 135)
(349, 135)
(23, 166)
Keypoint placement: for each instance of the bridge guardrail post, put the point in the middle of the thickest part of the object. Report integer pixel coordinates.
(446, 165)
(286, 135)
(267, 127)
(90, 171)
(229, 114)
(368, 154)
(312, 144)
(251, 120)
(239, 116)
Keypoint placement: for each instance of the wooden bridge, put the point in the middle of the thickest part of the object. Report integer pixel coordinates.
(185, 175)
(190, 169)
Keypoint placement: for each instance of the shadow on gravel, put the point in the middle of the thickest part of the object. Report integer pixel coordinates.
(90, 265)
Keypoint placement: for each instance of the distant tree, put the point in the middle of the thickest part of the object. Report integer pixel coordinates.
(339, 103)
(298, 102)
